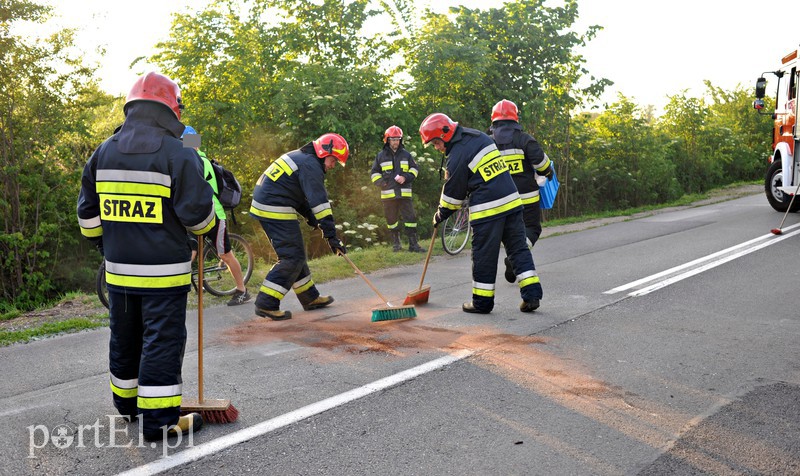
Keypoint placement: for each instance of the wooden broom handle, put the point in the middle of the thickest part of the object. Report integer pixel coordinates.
(364, 277)
(200, 318)
(428, 258)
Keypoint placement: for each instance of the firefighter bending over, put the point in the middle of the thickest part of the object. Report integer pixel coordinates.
(295, 183)
(475, 169)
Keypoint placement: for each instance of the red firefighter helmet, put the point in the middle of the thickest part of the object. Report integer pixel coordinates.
(392, 132)
(156, 87)
(332, 144)
(437, 126)
(505, 110)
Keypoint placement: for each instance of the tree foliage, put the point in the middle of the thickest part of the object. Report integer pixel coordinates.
(45, 101)
(261, 77)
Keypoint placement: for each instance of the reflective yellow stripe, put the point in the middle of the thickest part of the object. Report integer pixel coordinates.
(375, 177)
(303, 287)
(154, 403)
(448, 205)
(123, 392)
(205, 229)
(495, 210)
(274, 215)
(126, 188)
(528, 281)
(148, 282)
(528, 201)
(323, 214)
(271, 292)
(483, 292)
(92, 232)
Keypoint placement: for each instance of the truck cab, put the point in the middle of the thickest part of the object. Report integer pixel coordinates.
(782, 179)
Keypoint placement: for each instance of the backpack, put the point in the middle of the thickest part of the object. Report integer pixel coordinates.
(228, 188)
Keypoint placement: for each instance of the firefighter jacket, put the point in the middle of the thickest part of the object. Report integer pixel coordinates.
(388, 164)
(292, 184)
(140, 191)
(524, 157)
(476, 170)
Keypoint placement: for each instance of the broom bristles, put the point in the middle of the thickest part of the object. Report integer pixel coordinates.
(212, 411)
(419, 296)
(389, 314)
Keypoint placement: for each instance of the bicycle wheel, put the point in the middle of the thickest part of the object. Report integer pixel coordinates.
(102, 290)
(455, 232)
(217, 279)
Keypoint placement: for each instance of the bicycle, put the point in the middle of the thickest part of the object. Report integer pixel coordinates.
(217, 280)
(456, 230)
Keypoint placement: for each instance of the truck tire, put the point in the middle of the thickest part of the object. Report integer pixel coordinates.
(778, 200)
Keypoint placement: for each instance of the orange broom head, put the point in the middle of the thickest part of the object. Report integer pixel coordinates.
(212, 411)
(418, 296)
(776, 231)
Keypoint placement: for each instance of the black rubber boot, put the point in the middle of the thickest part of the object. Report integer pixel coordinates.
(469, 307)
(529, 306)
(509, 274)
(413, 244)
(396, 241)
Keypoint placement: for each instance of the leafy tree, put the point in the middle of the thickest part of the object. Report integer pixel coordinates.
(43, 91)
(620, 161)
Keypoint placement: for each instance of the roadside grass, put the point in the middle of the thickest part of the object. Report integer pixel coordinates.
(52, 328)
(323, 269)
(45, 322)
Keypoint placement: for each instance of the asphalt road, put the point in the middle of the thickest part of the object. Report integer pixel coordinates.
(664, 345)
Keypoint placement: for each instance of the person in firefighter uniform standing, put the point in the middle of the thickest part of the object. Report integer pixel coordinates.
(475, 169)
(295, 183)
(140, 191)
(525, 159)
(393, 172)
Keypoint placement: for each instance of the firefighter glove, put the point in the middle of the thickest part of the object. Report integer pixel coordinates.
(312, 221)
(549, 173)
(437, 218)
(336, 246)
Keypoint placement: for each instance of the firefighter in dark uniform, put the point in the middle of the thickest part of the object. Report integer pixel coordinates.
(295, 184)
(476, 170)
(525, 159)
(140, 191)
(393, 172)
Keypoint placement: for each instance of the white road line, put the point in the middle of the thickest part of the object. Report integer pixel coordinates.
(712, 261)
(221, 443)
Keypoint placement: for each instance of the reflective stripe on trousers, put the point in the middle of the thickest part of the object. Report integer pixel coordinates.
(486, 239)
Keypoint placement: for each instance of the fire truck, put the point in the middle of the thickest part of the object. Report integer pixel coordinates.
(782, 180)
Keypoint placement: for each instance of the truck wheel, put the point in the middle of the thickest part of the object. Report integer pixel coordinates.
(776, 198)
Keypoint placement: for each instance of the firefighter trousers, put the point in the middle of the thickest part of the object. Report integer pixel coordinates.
(486, 239)
(532, 216)
(291, 271)
(393, 209)
(148, 339)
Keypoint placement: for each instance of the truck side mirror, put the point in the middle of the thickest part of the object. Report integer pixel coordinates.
(761, 87)
(758, 105)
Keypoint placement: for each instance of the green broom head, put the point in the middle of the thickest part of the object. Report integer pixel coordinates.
(392, 313)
